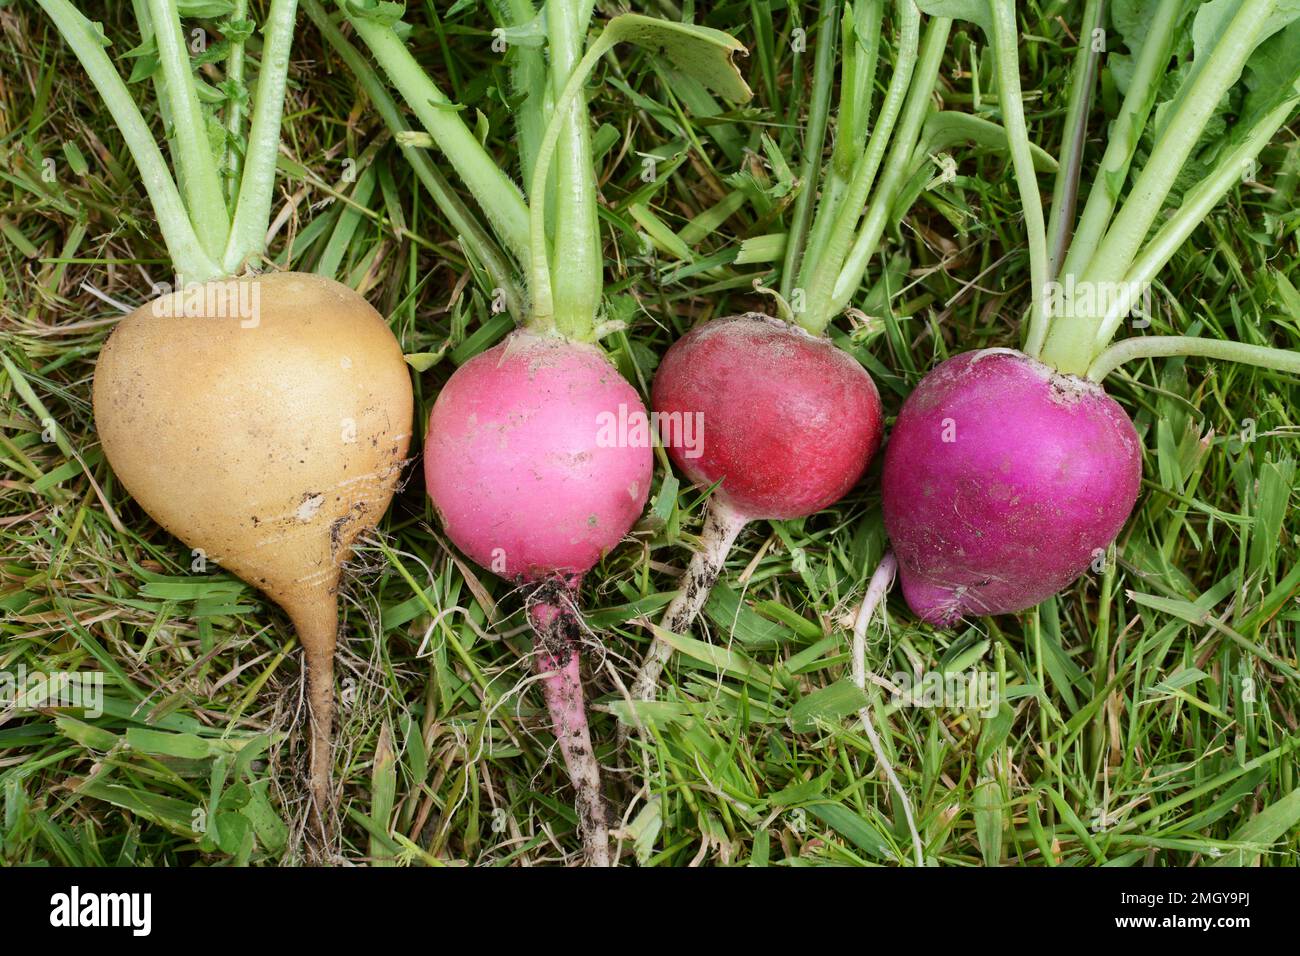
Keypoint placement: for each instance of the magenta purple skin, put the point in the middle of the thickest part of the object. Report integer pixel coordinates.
(1002, 479)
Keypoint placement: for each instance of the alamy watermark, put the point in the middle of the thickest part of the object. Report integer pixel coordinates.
(633, 428)
(954, 690)
(219, 299)
(1071, 298)
(34, 690)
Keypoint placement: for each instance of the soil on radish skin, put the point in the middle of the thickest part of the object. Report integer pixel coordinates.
(560, 637)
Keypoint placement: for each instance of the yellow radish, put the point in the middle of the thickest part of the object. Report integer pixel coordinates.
(269, 436)
(262, 419)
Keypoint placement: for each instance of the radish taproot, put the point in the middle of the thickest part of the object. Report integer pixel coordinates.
(1007, 473)
(789, 421)
(262, 419)
(518, 464)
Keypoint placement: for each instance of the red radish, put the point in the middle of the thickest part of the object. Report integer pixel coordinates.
(514, 462)
(790, 421)
(1002, 481)
(789, 424)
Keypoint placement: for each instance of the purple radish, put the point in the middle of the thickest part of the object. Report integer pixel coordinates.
(1003, 480)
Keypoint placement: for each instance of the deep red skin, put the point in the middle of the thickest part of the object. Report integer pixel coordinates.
(1043, 472)
(790, 421)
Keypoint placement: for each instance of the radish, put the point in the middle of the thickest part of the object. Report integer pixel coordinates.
(263, 420)
(518, 464)
(1009, 473)
(790, 422)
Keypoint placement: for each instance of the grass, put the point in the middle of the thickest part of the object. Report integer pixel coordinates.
(1148, 714)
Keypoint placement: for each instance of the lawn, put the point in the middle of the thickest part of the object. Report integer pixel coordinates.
(1147, 715)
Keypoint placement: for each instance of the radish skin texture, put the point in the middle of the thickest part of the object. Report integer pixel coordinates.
(269, 438)
(517, 463)
(790, 422)
(1003, 481)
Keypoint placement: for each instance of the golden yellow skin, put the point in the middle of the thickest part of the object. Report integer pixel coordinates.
(265, 421)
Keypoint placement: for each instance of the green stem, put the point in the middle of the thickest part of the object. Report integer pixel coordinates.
(1152, 62)
(499, 198)
(848, 159)
(1196, 204)
(861, 45)
(575, 258)
(1153, 346)
(528, 77)
(187, 253)
(1066, 191)
(539, 274)
(469, 231)
(819, 276)
(235, 111)
(818, 113)
(195, 164)
(848, 278)
(1007, 62)
(256, 187)
(1072, 348)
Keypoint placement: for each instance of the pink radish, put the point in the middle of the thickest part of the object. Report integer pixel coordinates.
(521, 462)
(515, 465)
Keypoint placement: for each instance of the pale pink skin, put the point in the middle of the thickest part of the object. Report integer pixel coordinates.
(514, 461)
(790, 422)
(1040, 474)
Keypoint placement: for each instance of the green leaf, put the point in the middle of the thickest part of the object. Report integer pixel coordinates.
(988, 820)
(701, 52)
(1264, 829)
(827, 704)
(801, 792)
(386, 13)
(644, 831)
(205, 9)
(976, 11)
(852, 827)
(187, 746)
(175, 815)
(88, 735)
(723, 659)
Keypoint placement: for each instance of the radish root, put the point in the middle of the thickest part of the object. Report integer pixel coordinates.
(317, 625)
(555, 624)
(721, 527)
(881, 581)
